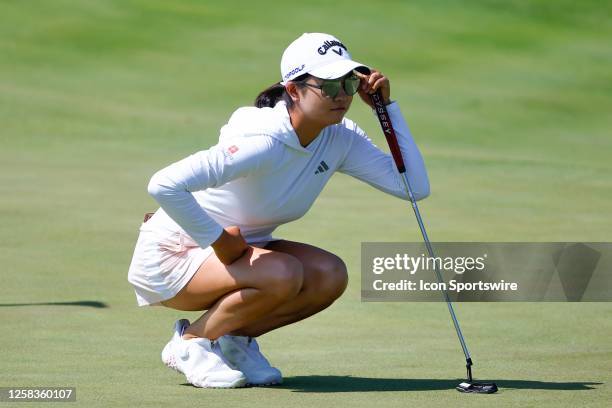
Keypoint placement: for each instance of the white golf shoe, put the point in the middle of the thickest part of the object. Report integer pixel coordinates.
(243, 354)
(200, 360)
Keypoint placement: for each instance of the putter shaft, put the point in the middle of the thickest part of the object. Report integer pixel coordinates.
(417, 213)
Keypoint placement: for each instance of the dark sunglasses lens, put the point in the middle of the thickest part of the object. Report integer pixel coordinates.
(331, 88)
(351, 85)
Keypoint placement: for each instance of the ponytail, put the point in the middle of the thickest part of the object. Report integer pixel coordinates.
(269, 97)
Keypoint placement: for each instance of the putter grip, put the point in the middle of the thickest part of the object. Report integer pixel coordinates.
(387, 128)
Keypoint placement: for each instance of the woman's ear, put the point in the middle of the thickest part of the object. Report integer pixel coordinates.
(292, 91)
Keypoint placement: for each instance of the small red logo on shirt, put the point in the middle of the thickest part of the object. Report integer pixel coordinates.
(232, 149)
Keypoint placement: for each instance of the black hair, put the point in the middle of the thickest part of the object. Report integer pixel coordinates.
(269, 97)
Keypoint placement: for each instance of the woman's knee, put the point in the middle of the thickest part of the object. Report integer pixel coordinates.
(331, 279)
(284, 277)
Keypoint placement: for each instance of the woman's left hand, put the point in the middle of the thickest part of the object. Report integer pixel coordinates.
(371, 83)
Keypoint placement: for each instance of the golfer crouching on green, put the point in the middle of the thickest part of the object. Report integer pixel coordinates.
(210, 246)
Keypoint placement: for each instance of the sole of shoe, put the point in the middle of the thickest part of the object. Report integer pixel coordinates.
(241, 383)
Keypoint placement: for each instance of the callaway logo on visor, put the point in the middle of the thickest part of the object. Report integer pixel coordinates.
(328, 44)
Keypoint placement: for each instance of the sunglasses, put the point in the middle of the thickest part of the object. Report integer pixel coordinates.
(331, 87)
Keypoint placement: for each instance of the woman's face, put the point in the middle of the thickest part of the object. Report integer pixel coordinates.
(318, 107)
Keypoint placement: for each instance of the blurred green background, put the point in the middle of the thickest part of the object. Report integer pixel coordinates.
(509, 102)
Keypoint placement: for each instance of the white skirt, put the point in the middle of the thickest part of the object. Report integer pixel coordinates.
(163, 263)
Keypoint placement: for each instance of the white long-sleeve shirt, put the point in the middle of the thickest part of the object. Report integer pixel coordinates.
(259, 176)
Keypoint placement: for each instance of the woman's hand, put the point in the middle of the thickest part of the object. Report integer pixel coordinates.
(371, 83)
(230, 245)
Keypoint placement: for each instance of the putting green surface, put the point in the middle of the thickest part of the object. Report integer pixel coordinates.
(509, 102)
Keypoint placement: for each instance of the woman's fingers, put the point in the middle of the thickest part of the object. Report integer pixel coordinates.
(230, 246)
(368, 81)
(372, 83)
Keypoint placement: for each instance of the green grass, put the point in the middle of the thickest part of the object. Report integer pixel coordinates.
(509, 101)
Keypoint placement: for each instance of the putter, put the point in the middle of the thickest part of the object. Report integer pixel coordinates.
(468, 386)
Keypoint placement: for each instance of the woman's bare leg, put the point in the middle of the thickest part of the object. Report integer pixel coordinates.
(265, 289)
(325, 279)
(240, 293)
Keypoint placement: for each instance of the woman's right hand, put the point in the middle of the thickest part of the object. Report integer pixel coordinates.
(230, 245)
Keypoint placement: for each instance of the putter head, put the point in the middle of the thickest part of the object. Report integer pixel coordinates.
(477, 388)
